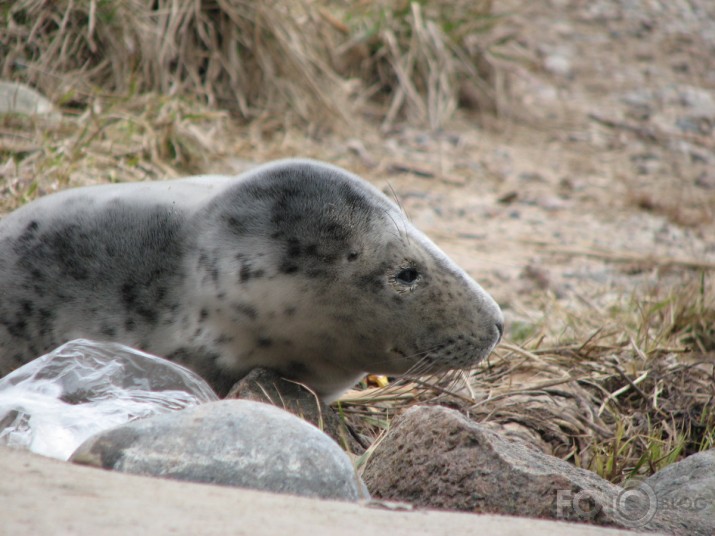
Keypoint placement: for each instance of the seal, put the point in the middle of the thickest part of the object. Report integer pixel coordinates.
(297, 266)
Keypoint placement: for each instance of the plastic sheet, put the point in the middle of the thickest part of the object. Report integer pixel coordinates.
(55, 402)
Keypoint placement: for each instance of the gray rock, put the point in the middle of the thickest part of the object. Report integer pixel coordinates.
(697, 125)
(559, 64)
(435, 457)
(233, 443)
(686, 491)
(264, 385)
(19, 98)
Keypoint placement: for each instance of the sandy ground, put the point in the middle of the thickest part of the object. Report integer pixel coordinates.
(604, 153)
(61, 498)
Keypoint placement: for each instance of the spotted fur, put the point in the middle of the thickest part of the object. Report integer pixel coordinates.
(297, 266)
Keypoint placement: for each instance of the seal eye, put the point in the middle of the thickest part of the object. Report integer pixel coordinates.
(407, 276)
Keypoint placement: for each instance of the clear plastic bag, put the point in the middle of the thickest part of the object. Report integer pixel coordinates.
(55, 402)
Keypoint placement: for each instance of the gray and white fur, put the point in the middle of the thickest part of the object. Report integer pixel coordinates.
(297, 266)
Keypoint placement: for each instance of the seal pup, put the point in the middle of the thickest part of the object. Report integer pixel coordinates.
(296, 266)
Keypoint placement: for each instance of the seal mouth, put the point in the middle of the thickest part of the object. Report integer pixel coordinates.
(456, 353)
(399, 361)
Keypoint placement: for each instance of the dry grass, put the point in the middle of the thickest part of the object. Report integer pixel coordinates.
(254, 58)
(272, 61)
(623, 401)
(142, 138)
(421, 59)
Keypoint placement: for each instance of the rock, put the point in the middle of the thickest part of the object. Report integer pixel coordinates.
(701, 126)
(698, 99)
(232, 443)
(686, 490)
(16, 98)
(559, 64)
(434, 457)
(264, 385)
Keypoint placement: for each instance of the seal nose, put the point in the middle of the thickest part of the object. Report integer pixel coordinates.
(500, 329)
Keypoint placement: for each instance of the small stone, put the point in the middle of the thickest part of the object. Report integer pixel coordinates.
(701, 126)
(16, 98)
(558, 65)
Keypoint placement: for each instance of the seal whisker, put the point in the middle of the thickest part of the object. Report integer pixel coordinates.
(403, 213)
(397, 227)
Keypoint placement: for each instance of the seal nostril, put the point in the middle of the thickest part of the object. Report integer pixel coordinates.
(500, 328)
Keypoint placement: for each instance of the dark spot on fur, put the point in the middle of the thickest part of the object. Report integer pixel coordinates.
(244, 274)
(209, 264)
(203, 314)
(264, 342)
(293, 250)
(27, 308)
(108, 331)
(130, 324)
(287, 267)
(223, 339)
(352, 256)
(236, 226)
(130, 294)
(16, 328)
(161, 293)
(289, 311)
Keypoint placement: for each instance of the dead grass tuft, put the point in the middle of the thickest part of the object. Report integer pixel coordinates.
(141, 138)
(623, 401)
(272, 61)
(253, 58)
(421, 59)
